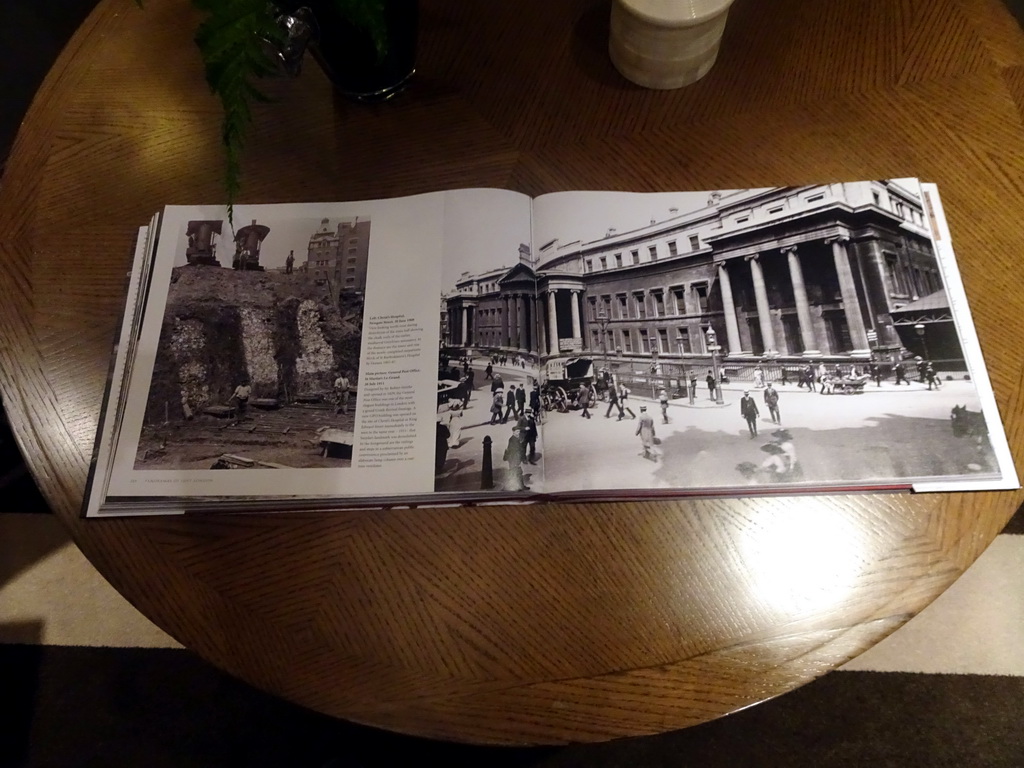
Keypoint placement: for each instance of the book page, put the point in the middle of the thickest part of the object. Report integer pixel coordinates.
(301, 347)
(788, 338)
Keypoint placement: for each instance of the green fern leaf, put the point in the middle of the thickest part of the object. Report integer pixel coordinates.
(232, 41)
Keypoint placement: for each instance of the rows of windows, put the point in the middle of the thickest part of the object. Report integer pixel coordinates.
(639, 305)
(907, 281)
(668, 341)
(620, 258)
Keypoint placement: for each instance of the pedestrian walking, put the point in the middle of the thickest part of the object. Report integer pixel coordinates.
(510, 403)
(289, 263)
(748, 410)
(771, 399)
(758, 377)
(693, 387)
(663, 402)
(520, 400)
(710, 379)
(613, 402)
(529, 435)
(931, 376)
(901, 374)
(645, 429)
(489, 371)
(623, 404)
(922, 367)
(583, 398)
(514, 458)
(875, 372)
(497, 382)
(535, 403)
(497, 404)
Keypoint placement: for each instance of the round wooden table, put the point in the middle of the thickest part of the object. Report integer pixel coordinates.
(522, 625)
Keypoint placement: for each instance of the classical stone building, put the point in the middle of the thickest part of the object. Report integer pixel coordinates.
(791, 273)
(497, 309)
(337, 255)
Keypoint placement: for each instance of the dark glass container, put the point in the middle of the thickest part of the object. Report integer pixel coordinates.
(349, 57)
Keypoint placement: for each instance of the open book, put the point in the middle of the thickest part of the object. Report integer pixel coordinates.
(477, 346)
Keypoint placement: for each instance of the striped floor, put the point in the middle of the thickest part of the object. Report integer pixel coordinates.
(94, 683)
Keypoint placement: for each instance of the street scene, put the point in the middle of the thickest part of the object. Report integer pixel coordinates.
(883, 432)
(802, 434)
(465, 426)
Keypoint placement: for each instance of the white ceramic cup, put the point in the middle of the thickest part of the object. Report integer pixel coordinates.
(666, 43)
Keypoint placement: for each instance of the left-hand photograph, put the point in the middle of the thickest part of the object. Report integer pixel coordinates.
(257, 364)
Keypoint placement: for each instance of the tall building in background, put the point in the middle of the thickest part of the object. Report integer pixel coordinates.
(337, 255)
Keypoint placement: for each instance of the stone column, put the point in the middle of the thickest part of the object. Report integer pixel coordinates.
(577, 333)
(732, 328)
(465, 326)
(886, 334)
(540, 340)
(520, 323)
(504, 322)
(513, 323)
(851, 305)
(552, 323)
(803, 307)
(764, 316)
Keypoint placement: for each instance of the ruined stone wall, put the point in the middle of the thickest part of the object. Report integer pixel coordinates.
(223, 327)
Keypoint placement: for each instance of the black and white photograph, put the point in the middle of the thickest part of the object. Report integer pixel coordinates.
(257, 365)
(488, 406)
(739, 339)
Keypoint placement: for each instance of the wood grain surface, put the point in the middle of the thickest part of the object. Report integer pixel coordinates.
(518, 625)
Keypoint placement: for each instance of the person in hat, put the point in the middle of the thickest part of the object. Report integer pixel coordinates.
(623, 404)
(528, 425)
(514, 458)
(785, 442)
(613, 402)
(645, 429)
(771, 399)
(663, 400)
(748, 410)
(775, 466)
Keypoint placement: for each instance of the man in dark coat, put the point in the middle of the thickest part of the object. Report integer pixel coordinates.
(771, 399)
(510, 403)
(520, 400)
(901, 374)
(583, 398)
(497, 403)
(514, 458)
(528, 434)
(613, 402)
(710, 379)
(748, 409)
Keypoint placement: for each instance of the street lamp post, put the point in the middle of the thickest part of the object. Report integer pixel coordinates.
(602, 319)
(712, 339)
(924, 342)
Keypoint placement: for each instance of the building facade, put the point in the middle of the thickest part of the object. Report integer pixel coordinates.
(789, 273)
(337, 255)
